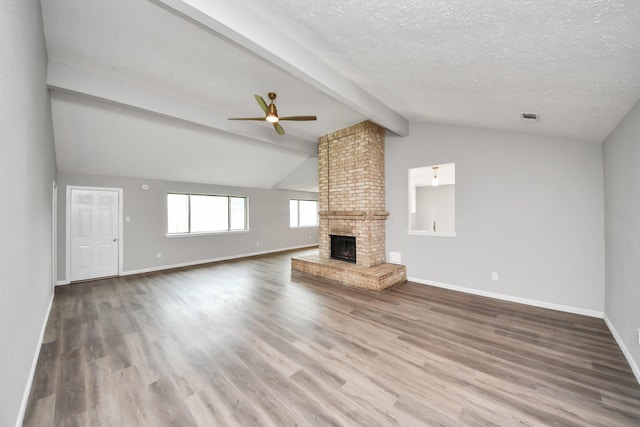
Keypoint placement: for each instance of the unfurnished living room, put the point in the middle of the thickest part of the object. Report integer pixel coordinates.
(360, 213)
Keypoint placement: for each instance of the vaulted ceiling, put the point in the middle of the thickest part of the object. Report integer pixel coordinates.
(144, 88)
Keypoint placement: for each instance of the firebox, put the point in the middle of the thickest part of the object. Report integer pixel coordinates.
(343, 248)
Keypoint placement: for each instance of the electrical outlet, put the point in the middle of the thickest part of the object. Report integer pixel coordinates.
(257, 243)
(494, 276)
(159, 254)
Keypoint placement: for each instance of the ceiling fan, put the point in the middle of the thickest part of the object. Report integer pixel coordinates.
(272, 114)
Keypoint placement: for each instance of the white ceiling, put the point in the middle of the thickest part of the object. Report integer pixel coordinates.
(481, 62)
(144, 87)
(109, 139)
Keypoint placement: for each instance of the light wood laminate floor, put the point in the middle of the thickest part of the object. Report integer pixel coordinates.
(248, 342)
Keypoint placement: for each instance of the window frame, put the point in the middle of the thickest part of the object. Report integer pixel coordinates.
(204, 233)
(317, 224)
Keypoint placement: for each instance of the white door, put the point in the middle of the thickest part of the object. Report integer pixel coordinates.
(94, 234)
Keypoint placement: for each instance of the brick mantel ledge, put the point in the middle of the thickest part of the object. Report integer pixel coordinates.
(354, 215)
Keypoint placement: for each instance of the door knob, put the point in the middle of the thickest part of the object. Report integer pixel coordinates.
(115, 240)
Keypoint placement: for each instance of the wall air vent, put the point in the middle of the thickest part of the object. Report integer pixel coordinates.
(530, 116)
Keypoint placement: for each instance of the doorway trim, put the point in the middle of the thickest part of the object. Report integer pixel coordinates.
(54, 234)
(68, 226)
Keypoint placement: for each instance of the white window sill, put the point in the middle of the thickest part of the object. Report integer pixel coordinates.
(432, 233)
(209, 233)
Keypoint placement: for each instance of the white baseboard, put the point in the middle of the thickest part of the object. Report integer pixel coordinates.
(34, 364)
(623, 347)
(202, 261)
(503, 297)
(207, 261)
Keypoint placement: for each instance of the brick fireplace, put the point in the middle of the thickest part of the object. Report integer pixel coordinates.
(352, 205)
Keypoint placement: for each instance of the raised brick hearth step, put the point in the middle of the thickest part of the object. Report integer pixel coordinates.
(378, 278)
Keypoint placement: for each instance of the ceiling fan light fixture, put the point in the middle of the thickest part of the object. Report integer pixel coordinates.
(272, 115)
(271, 118)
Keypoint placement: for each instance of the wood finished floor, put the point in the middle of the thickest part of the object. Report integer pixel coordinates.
(249, 342)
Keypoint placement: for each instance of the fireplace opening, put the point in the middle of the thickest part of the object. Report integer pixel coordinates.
(343, 248)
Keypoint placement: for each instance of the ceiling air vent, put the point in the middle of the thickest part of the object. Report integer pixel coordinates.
(530, 116)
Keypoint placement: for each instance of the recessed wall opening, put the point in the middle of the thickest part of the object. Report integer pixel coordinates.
(432, 200)
(343, 248)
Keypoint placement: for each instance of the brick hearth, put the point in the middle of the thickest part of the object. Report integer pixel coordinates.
(352, 203)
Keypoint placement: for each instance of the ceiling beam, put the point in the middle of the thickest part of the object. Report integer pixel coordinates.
(241, 26)
(75, 80)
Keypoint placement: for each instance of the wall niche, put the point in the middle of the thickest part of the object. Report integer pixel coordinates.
(432, 208)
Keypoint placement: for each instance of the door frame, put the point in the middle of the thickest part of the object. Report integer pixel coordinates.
(54, 234)
(68, 220)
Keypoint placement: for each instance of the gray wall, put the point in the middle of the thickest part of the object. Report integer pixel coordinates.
(622, 225)
(27, 170)
(527, 207)
(145, 235)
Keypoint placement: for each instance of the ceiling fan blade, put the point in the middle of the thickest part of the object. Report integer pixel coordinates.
(247, 118)
(262, 104)
(299, 118)
(278, 128)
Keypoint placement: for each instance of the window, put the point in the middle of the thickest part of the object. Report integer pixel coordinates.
(198, 213)
(303, 213)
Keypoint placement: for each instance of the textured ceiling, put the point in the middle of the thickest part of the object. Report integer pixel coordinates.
(144, 44)
(481, 63)
(172, 71)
